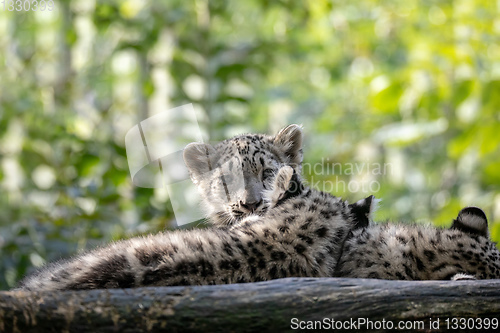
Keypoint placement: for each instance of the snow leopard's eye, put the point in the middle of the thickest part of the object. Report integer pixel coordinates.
(267, 173)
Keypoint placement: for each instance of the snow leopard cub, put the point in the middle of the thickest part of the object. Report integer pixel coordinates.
(232, 175)
(415, 252)
(300, 235)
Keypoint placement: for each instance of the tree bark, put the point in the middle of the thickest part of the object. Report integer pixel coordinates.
(252, 307)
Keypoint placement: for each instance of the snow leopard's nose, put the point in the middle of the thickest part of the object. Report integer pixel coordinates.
(251, 206)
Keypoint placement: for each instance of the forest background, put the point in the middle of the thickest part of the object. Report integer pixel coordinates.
(400, 99)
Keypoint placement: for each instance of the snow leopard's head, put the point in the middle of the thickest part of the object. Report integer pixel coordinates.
(232, 175)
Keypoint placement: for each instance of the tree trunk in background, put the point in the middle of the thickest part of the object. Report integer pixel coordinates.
(253, 307)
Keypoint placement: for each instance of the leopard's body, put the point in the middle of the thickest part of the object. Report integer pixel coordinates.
(300, 235)
(272, 227)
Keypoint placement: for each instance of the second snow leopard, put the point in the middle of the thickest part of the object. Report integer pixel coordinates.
(232, 175)
(300, 235)
(415, 252)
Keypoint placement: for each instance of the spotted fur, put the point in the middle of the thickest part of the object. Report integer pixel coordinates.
(300, 235)
(415, 252)
(232, 175)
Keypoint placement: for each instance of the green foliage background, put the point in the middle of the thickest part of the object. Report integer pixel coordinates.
(414, 85)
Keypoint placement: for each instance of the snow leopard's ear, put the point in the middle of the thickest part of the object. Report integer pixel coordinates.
(363, 210)
(471, 220)
(199, 158)
(289, 140)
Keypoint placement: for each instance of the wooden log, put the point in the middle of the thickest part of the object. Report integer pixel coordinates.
(253, 307)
